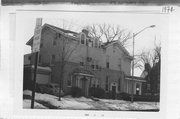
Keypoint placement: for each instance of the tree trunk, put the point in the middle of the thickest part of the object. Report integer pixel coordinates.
(61, 80)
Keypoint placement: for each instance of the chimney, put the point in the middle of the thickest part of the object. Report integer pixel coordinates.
(85, 31)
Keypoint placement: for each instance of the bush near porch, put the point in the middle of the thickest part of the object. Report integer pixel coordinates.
(76, 92)
(97, 92)
(147, 98)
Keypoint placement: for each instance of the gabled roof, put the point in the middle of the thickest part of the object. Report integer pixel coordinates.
(56, 29)
(120, 46)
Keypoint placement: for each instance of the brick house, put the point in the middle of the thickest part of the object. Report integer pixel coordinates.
(92, 63)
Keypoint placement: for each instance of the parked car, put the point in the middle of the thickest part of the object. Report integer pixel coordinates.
(51, 88)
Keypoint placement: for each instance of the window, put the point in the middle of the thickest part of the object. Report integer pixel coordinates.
(69, 82)
(52, 59)
(148, 87)
(119, 84)
(54, 42)
(107, 65)
(92, 44)
(97, 67)
(81, 63)
(120, 66)
(92, 66)
(89, 59)
(107, 62)
(29, 57)
(96, 43)
(59, 35)
(107, 83)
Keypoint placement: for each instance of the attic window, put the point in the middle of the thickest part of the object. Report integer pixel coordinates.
(82, 38)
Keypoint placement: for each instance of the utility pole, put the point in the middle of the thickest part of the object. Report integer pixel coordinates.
(134, 35)
(132, 95)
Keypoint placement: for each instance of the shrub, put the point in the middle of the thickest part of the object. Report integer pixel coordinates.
(97, 92)
(76, 92)
(147, 98)
(125, 96)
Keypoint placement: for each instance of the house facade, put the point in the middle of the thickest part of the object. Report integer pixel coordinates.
(88, 61)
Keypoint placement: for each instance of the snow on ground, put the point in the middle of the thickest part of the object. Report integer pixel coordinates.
(65, 103)
(83, 103)
(27, 105)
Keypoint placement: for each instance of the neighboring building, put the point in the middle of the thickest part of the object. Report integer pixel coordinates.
(92, 63)
(152, 78)
(43, 73)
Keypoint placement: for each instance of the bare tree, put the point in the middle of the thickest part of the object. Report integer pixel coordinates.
(109, 33)
(66, 48)
(148, 57)
(145, 57)
(157, 54)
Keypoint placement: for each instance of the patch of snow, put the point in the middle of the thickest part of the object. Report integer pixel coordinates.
(27, 105)
(27, 92)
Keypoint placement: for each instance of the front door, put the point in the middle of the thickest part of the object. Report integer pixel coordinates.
(137, 89)
(113, 92)
(84, 86)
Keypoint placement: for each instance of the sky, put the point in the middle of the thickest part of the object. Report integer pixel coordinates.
(132, 21)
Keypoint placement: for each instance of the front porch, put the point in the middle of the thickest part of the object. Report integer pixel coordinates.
(134, 83)
(83, 79)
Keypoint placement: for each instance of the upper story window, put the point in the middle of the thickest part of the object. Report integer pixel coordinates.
(120, 64)
(107, 65)
(54, 42)
(59, 35)
(97, 66)
(96, 43)
(53, 59)
(107, 62)
(29, 57)
(81, 63)
(92, 44)
(83, 38)
(92, 65)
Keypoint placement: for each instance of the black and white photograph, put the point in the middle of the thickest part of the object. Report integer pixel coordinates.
(92, 60)
(89, 60)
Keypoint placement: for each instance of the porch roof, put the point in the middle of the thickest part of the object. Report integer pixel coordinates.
(83, 71)
(135, 78)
